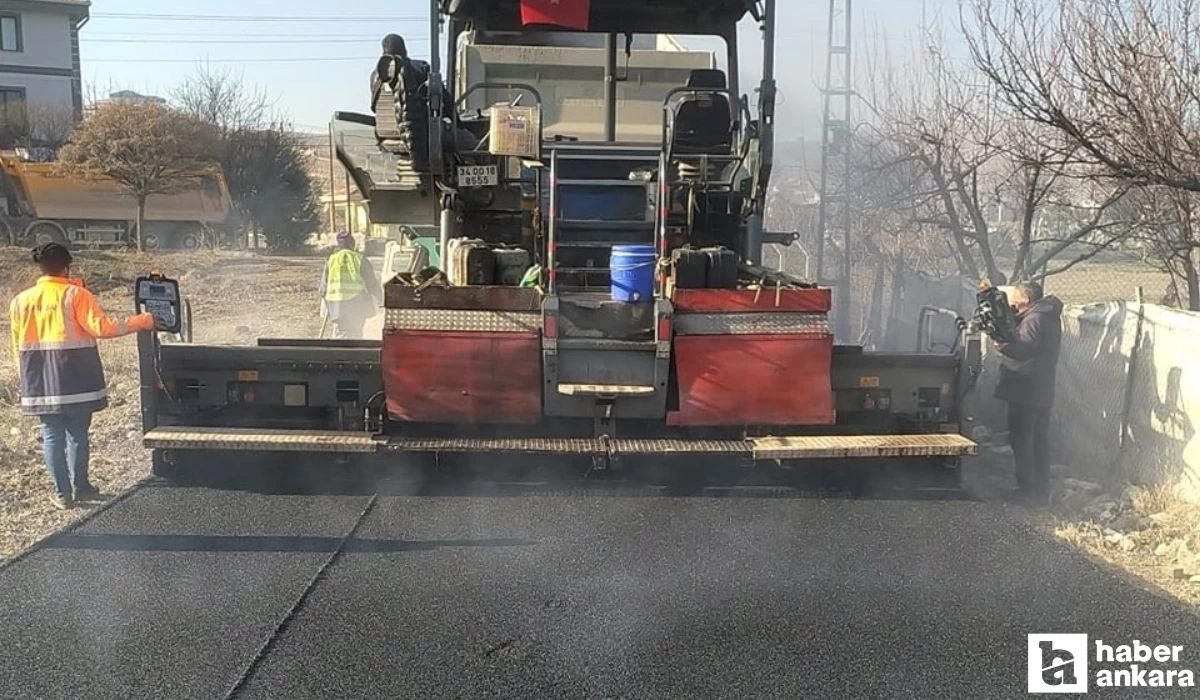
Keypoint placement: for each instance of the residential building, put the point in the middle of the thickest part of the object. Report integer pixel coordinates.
(123, 97)
(131, 97)
(39, 60)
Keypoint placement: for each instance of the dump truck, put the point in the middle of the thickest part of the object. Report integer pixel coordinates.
(644, 326)
(41, 205)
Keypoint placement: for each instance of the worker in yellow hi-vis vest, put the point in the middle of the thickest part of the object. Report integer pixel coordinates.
(350, 291)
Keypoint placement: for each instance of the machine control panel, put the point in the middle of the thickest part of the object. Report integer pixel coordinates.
(159, 296)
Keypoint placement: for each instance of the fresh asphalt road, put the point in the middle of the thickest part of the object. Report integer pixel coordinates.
(199, 593)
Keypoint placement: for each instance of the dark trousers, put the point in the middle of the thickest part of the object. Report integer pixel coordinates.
(1029, 435)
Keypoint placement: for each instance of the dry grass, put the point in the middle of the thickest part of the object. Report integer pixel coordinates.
(1164, 550)
(1157, 499)
(1151, 535)
(236, 297)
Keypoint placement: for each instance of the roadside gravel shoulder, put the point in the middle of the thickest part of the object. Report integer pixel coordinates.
(1146, 534)
(236, 297)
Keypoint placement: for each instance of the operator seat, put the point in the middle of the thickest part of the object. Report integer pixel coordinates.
(383, 102)
(400, 98)
(703, 120)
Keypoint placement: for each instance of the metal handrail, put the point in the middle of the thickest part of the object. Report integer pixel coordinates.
(925, 327)
(660, 230)
(498, 86)
(552, 224)
(537, 96)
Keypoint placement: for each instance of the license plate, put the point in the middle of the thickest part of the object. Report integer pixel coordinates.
(478, 176)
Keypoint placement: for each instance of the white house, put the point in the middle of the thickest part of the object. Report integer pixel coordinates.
(39, 58)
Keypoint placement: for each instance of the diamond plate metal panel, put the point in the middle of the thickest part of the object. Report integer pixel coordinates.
(657, 447)
(807, 447)
(463, 321)
(847, 446)
(782, 323)
(568, 446)
(469, 445)
(253, 440)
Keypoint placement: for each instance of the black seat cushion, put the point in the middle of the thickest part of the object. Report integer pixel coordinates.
(400, 100)
(703, 121)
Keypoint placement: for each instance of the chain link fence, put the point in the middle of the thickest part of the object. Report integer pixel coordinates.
(1092, 282)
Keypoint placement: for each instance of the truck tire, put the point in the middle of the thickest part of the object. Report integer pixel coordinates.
(45, 231)
(190, 241)
(150, 241)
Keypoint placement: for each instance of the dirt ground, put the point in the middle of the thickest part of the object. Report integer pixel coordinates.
(235, 298)
(1147, 534)
(239, 297)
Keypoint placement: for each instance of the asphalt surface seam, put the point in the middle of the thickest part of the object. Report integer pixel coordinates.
(72, 527)
(265, 649)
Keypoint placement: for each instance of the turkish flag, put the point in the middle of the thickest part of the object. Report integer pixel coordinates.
(572, 14)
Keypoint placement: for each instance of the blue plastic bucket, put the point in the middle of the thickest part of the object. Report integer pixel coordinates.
(632, 273)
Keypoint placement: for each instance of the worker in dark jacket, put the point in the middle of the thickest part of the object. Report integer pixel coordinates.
(349, 289)
(1027, 371)
(55, 325)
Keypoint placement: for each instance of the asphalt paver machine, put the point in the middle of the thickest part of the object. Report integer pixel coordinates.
(598, 193)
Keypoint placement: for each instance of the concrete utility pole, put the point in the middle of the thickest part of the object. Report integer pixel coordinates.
(834, 207)
(332, 185)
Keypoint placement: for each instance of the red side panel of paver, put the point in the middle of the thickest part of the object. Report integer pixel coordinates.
(742, 300)
(466, 378)
(754, 380)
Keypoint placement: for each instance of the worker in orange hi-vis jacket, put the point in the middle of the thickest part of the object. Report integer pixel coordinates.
(55, 325)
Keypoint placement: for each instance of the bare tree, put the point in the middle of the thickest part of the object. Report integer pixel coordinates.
(1165, 225)
(1115, 84)
(1008, 194)
(222, 98)
(1117, 80)
(148, 148)
(263, 160)
(50, 127)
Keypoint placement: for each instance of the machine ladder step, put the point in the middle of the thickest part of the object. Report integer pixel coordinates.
(583, 343)
(762, 448)
(594, 244)
(575, 181)
(851, 446)
(601, 225)
(605, 390)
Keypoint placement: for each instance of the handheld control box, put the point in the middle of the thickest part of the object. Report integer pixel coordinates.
(159, 296)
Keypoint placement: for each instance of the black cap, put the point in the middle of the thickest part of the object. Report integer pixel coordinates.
(52, 257)
(393, 45)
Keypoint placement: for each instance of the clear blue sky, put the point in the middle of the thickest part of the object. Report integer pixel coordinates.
(313, 66)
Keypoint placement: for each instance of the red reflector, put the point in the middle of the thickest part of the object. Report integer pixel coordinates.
(664, 327)
(550, 326)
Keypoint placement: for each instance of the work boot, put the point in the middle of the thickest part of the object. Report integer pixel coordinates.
(87, 492)
(60, 501)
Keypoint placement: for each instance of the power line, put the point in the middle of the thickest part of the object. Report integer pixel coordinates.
(205, 59)
(310, 35)
(233, 41)
(250, 18)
